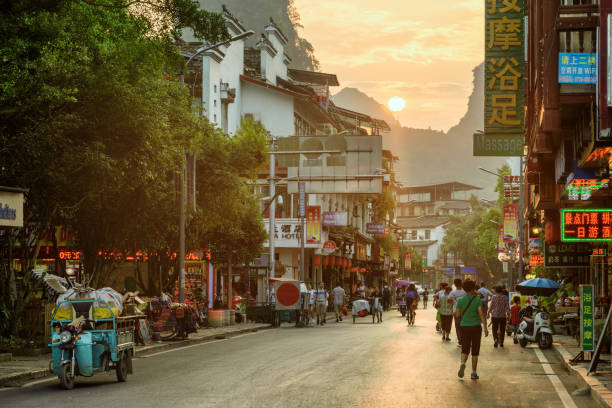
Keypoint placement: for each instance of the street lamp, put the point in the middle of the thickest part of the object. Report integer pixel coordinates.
(181, 253)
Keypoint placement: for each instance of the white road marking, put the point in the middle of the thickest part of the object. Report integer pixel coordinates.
(556, 381)
(247, 334)
(180, 348)
(39, 382)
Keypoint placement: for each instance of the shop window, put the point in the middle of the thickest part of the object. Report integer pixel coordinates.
(413, 235)
(427, 234)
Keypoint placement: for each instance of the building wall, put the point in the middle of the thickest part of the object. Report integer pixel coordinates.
(272, 108)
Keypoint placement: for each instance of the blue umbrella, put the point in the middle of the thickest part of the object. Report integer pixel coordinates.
(538, 287)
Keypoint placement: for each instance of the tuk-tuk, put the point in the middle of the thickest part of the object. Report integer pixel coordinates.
(87, 337)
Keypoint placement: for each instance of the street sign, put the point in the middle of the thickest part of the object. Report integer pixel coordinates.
(11, 209)
(287, 295)
(302, 199)
(375, 228)
(498, 145)
(586, 317)
(329, 247)
(567, 254)
(594, 224)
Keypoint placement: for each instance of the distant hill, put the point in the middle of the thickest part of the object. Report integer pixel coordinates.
(431, 156)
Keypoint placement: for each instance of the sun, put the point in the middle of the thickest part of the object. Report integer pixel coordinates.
(396, 104)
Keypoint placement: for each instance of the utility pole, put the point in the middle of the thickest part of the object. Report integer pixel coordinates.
(181, 253)
(272, 213)
(521, 245)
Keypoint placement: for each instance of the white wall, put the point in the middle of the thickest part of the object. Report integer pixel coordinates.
(273, 108)
(275, 66)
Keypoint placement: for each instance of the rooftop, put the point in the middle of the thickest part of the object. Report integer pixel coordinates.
(421, 222)
(453, 186)
(311, 77)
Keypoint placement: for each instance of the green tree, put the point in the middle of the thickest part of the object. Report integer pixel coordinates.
(89, 124)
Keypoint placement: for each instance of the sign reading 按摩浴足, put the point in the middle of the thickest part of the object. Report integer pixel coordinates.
(586, 317)
(586, 224)
(11, 209)
(577, 68)
(504, 79)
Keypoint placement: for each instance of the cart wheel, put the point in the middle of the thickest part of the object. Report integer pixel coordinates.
(66, 377)
(353, 319)
(122, 367)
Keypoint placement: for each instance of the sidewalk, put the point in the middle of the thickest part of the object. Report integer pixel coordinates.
(599, 384)
(21, 369)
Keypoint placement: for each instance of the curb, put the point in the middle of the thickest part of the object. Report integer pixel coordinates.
(18, 379)
(598, 391)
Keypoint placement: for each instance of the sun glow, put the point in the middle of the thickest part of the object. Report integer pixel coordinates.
(396, 104)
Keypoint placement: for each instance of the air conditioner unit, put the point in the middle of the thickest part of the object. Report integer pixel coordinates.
(227, 94)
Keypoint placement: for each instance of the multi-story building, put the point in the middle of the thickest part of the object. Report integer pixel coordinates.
(422, 215)
(568, 138)
(293, 105)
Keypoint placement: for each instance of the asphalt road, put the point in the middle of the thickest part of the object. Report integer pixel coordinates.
(338, 365)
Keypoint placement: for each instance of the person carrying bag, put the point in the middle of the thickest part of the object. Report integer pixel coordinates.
(469, 312)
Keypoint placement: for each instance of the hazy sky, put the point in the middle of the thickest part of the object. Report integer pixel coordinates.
(421, 51)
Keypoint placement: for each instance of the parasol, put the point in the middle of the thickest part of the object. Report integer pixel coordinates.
(538, 287)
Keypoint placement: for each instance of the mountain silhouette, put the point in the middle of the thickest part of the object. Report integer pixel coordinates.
(429, 156)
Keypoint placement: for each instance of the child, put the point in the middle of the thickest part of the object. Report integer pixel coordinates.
(515, 320)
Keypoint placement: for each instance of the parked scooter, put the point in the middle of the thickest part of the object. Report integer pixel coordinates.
(536, 330)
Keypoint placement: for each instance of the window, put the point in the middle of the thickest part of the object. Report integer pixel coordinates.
(411, 211)
(413, 235)
(430, 210)
(427, 234)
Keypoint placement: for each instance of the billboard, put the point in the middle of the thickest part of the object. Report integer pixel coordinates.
(376, 228)
(313, 224)
(11, 209)
(586, 224)
(335, 219)
(510, 213)
(347, 164)
(504, 79)
(577, 68)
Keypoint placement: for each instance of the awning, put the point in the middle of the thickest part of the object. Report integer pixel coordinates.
(282, 280)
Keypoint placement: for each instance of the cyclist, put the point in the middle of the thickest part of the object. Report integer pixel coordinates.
(412, 298)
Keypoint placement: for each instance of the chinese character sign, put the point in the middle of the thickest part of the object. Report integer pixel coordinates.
(587, 317)
(313, 224)
(504, 68)
(577, 68)
(510, 221)
(586, 225)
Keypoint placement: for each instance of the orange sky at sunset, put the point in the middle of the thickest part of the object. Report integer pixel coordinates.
(423, 52)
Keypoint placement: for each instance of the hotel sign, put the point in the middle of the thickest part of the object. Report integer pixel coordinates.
(504, 79)
(586, 224)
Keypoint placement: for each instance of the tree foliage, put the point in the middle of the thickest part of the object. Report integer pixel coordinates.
(94, 124)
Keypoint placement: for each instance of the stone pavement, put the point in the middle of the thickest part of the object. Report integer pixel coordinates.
(21, 369)
(600, 383)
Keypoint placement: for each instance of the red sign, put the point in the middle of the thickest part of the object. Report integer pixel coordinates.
(586, 225)
(313, 224)
(536, 260)
(329, 246)
(66, 254)
(287, 295)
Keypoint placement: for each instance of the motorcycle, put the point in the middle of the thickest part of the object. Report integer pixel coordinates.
(401, 306)
(536, 330)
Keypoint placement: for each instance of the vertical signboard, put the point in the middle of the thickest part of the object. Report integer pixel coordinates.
(510, 222)
(504, 79)
(313, 224)
(586, 317)
(408, 261)
(302, 199)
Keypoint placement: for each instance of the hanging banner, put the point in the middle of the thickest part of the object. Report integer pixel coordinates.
(510, 215)
(313, 224)
(586, 317)
(504, 79)
(407, 261)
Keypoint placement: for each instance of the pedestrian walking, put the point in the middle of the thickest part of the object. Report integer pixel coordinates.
(468, 310)
(386, 292)
(425, 298)
(455, 295)
(321, 296)
(311, 300)
(499, 311)
(437, 295)
(446, 313)
(515, 317)
(339, 295)
(484, 294)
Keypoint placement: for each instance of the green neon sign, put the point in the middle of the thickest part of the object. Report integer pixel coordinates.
(586, 225)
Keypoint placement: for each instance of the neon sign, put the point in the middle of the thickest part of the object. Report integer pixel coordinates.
(586, 225)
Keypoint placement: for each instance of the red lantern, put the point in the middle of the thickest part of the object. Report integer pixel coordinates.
(317, 260)
(350, 263)
(345, 262)
(332, 260)
(362, 270)
(325, 260)
(353, 270)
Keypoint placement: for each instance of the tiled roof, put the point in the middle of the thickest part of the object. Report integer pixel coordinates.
(421, 222)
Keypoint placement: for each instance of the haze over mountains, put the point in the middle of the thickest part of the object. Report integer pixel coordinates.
(431, 156)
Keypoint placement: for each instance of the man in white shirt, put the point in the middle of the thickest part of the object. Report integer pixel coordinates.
(455, 295)
(320, 302)
(484, 294)
(339, 295)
